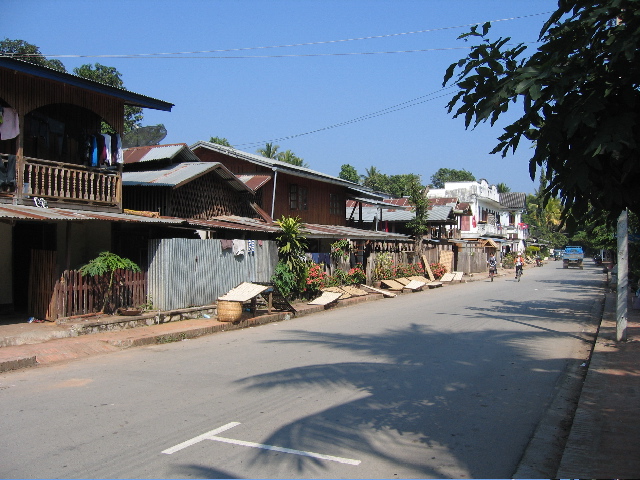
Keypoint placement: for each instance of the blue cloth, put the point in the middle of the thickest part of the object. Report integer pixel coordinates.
(94, 151)
(325, 258)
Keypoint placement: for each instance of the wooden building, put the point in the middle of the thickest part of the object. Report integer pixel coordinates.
(289, 190)
(60, 193)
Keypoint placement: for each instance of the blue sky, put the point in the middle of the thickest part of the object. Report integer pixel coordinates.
(253, 95)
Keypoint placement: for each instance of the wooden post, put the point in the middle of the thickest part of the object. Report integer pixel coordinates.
(623, 277)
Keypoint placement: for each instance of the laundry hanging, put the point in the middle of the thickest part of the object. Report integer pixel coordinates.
(10, 125)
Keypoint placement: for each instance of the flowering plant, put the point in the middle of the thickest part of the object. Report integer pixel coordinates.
(356, 274)
(340, 249)
(438, 270)
(317, 278)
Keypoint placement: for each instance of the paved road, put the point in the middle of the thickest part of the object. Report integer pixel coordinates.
(446, 383)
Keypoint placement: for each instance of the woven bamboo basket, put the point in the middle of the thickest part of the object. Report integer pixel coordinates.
(229, 311)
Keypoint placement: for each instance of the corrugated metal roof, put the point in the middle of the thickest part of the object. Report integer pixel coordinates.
(176, 175)
(453, 201)
(437, 213)
(308, 229)
(24, 212)
(227, 222)
(440, 213)
(129, 98)
(398, 202)
(513, 200)
(337, 231)
(254, 182)
(287, 168)
(179, 151)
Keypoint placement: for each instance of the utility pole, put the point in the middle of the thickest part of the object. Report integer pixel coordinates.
(623, 277)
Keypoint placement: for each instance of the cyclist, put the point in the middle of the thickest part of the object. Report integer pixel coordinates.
(493, 265)
(519, 264)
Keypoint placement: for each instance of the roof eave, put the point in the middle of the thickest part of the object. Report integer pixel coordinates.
(129, 98)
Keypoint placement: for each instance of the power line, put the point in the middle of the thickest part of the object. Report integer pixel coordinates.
(373, 37)
(400, 106)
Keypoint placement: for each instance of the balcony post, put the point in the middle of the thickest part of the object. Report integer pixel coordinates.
(19, 193)
(119, 187)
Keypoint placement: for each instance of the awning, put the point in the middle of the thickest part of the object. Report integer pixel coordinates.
(10, 212)
(490, 243)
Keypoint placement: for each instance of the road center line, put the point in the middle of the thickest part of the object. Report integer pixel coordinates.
(211, 435)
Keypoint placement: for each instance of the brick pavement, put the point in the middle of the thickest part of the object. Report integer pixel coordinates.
(604, 441)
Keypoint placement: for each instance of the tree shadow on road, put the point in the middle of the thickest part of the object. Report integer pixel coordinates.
(431, 417)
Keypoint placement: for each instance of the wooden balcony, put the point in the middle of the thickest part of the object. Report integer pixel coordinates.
(65, 185)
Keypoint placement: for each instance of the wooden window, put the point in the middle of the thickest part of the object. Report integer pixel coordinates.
(334, 208)
(298, 197)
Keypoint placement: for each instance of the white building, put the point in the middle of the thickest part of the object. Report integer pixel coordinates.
(493, 215)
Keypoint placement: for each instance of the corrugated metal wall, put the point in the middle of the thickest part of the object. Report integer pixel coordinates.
(186, 272)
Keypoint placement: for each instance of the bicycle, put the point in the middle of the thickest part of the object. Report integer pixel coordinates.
(518, 273)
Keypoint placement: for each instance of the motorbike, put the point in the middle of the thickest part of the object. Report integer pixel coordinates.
(539, 262)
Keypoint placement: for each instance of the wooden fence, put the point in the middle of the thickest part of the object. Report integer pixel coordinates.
(75, 294)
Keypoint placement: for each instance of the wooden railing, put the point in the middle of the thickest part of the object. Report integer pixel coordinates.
(68, 182)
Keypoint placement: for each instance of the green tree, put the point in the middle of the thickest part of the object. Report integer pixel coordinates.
(28, 52)
(292, 245)
(444, 175)
(375, 180)
(349, 173)
(544, 220)
(220, 141)
(596, 234)
(112, 77)
(503, 188)
(420, 203)
(289, 157)
(401, 185)
(269, 151)
(579, 97)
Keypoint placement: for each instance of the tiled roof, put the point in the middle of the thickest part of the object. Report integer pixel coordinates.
(513, 200)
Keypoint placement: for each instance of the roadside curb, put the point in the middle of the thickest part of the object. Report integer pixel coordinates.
(542, 457)
(96, 337)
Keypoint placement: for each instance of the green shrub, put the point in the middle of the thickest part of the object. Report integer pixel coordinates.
(284, 279)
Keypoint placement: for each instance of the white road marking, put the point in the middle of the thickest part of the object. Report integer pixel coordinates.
(199, 438)
(211, 435)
